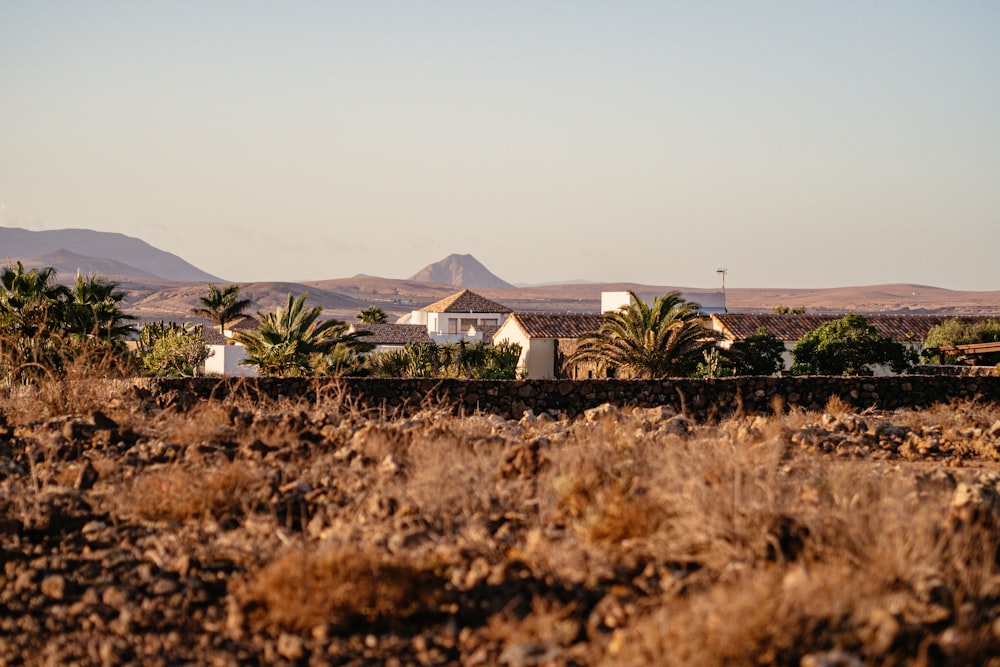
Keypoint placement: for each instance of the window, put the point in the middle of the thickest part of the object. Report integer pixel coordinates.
(452, 325)
(490, 322)
(468, 322)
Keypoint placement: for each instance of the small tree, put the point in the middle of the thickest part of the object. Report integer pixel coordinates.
(171, 350)
(848, 346)
(372, 315)
(955, 331)
(501, 362)
(93, 310)
(654, 341)
(222, 306)
(759, 354)
(46, 328)
(292, 341)
(715, 365)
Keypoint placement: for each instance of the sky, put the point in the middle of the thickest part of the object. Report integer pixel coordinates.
(793, 143)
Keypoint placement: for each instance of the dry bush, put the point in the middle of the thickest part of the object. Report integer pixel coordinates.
(451, 477)
(178, 494)
(338, 587)
(205, 423)
(544, 633)
(767, 617)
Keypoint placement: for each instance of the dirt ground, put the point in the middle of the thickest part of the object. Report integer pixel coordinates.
(239, 532)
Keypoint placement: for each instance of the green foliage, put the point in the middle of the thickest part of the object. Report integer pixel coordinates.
(45, 326)
(502, 362)
(292, 341)
(222, 305)
(759, 354)
(171, 350)
(955, 331)
(450, 360)
(31, 302)
(92, 309)
(372, 315)
(662, 340)
(716, 365)
(785, 310)
(848, 346)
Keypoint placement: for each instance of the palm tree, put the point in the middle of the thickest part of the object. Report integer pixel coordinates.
(31, 302)
(93, 310)
(662, 340)
(221, 305)
(292, 340)
(372, 315)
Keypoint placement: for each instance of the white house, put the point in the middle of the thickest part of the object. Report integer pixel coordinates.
(461, 316)
(225, 360)
(225, 354)
(546, 339)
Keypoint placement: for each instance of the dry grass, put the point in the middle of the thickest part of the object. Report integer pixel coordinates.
(617, 542)
(308, 588)
(175, 493)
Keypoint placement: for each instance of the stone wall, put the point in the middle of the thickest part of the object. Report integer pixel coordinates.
(956, 369)
(699, 398)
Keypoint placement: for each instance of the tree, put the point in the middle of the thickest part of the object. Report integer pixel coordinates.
(501, 361)
(31, 302)
(654, 341)
(955, 331)
(221, 306)
(45, 326)
(372, 315)
(92, 310)
(715, 365)
(171, 349)
(786, 310)
(759, 354)
(848, 346)
(292, 341)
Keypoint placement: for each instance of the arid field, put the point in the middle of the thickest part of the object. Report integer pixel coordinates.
(245, 532)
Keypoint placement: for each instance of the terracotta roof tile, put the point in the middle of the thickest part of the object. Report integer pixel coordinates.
(465, 302)
(393, 334)
(791, 327)
(557, 325)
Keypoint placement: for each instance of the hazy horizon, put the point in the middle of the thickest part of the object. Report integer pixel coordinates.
(794, 144)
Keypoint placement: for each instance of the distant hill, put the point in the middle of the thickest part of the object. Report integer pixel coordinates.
(460, 271)
(89, 251)
(67, 263)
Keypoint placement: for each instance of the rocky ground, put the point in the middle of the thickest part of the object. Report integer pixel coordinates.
(234, 532)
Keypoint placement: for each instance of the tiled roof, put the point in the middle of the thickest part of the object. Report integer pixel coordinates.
(488, 330)
(393, 334)
(791, 327)
(244, 323)
(557, 325)
(465, 302)
(212, 336)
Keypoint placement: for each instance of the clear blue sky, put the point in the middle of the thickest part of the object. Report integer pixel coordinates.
(797, 143)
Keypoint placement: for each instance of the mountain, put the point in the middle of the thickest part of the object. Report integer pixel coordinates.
(67, 263)
(460, 271)
(89, 251)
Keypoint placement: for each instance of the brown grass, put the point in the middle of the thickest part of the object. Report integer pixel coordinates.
(306, 588)
(175, 493)
(616, 542)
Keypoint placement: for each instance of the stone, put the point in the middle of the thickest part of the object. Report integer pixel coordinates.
(86, 478)
(54, 586)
